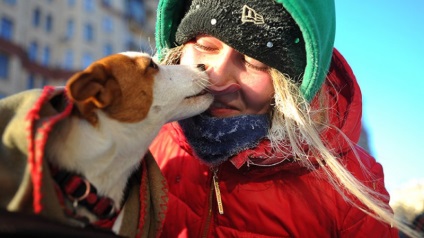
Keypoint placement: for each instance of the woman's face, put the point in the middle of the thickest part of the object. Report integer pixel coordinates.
(241, 85)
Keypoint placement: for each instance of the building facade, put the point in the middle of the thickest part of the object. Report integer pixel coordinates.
(43, 42)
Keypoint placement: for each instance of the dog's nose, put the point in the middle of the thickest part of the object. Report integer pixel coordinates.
(201, 67)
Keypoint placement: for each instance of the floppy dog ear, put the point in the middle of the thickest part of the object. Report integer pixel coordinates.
(93, 85)
(91, 89)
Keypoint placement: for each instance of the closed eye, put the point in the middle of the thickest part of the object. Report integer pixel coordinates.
(255, 67)
(204, 48)
(254, 64)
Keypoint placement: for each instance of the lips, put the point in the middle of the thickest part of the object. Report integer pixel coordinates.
(219, 105)
(220, 109)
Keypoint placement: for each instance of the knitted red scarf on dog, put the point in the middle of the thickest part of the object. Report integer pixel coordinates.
(37, 138)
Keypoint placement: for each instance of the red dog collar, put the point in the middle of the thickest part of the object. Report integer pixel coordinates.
(81, 192)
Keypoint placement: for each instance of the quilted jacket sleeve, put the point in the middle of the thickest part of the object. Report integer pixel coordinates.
(356, 223)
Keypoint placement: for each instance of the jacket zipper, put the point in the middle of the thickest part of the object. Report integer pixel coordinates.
(209, 218)
(217, 191)
(214, 188)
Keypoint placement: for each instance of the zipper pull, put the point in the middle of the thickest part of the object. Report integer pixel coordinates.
(217, 192)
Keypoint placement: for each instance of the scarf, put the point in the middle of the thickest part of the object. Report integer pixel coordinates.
(214, 140)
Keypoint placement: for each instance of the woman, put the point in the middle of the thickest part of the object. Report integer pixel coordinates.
(275, 155)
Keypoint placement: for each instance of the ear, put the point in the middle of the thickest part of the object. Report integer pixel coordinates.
(94, 85)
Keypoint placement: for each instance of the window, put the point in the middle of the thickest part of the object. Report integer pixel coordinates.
(107, 24)
(49, 23)
(69, 60)
(89, 5)
(4, 66)
(70, 26)
(87, 59)
(46, 56)
(31, 81)
(36, 18)
(6, 28)
(10, 2)
(107, 49)
(33, 51)
(135, 10)
(71, 3)
(88, 33)
(107, 3)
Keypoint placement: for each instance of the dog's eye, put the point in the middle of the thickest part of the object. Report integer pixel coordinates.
(153, 65)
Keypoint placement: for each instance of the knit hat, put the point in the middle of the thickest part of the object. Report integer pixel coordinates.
(263, 30)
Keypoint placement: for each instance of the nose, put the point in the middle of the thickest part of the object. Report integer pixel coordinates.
(201, 67)
(224, 73)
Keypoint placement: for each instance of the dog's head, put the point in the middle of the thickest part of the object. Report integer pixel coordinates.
(130, 86)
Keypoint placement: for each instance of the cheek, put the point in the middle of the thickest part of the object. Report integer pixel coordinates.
(258, 92)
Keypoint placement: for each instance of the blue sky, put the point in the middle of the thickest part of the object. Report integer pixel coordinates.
(383, 41)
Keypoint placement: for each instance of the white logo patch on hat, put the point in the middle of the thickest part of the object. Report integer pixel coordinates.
(250, 15)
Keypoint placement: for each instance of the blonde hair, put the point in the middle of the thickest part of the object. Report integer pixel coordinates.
(295, 123)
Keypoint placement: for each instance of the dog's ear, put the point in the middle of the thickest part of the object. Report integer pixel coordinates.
(94, 85)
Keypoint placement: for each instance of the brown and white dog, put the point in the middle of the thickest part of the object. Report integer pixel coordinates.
(120, 104)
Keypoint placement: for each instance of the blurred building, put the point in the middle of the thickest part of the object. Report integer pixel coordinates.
(45, 41)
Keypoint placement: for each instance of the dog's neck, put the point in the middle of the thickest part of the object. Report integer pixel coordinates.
(106, 155)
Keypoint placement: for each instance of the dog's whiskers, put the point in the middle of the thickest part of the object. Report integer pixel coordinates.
(203, 82)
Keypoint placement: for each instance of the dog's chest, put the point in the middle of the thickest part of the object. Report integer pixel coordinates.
(106, 156)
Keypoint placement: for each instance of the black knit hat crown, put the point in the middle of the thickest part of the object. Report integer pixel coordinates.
(263, 30)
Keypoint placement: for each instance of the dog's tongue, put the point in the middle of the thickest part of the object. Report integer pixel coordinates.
(219, 90)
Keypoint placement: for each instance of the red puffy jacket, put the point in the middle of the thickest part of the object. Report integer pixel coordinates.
(261, 198)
